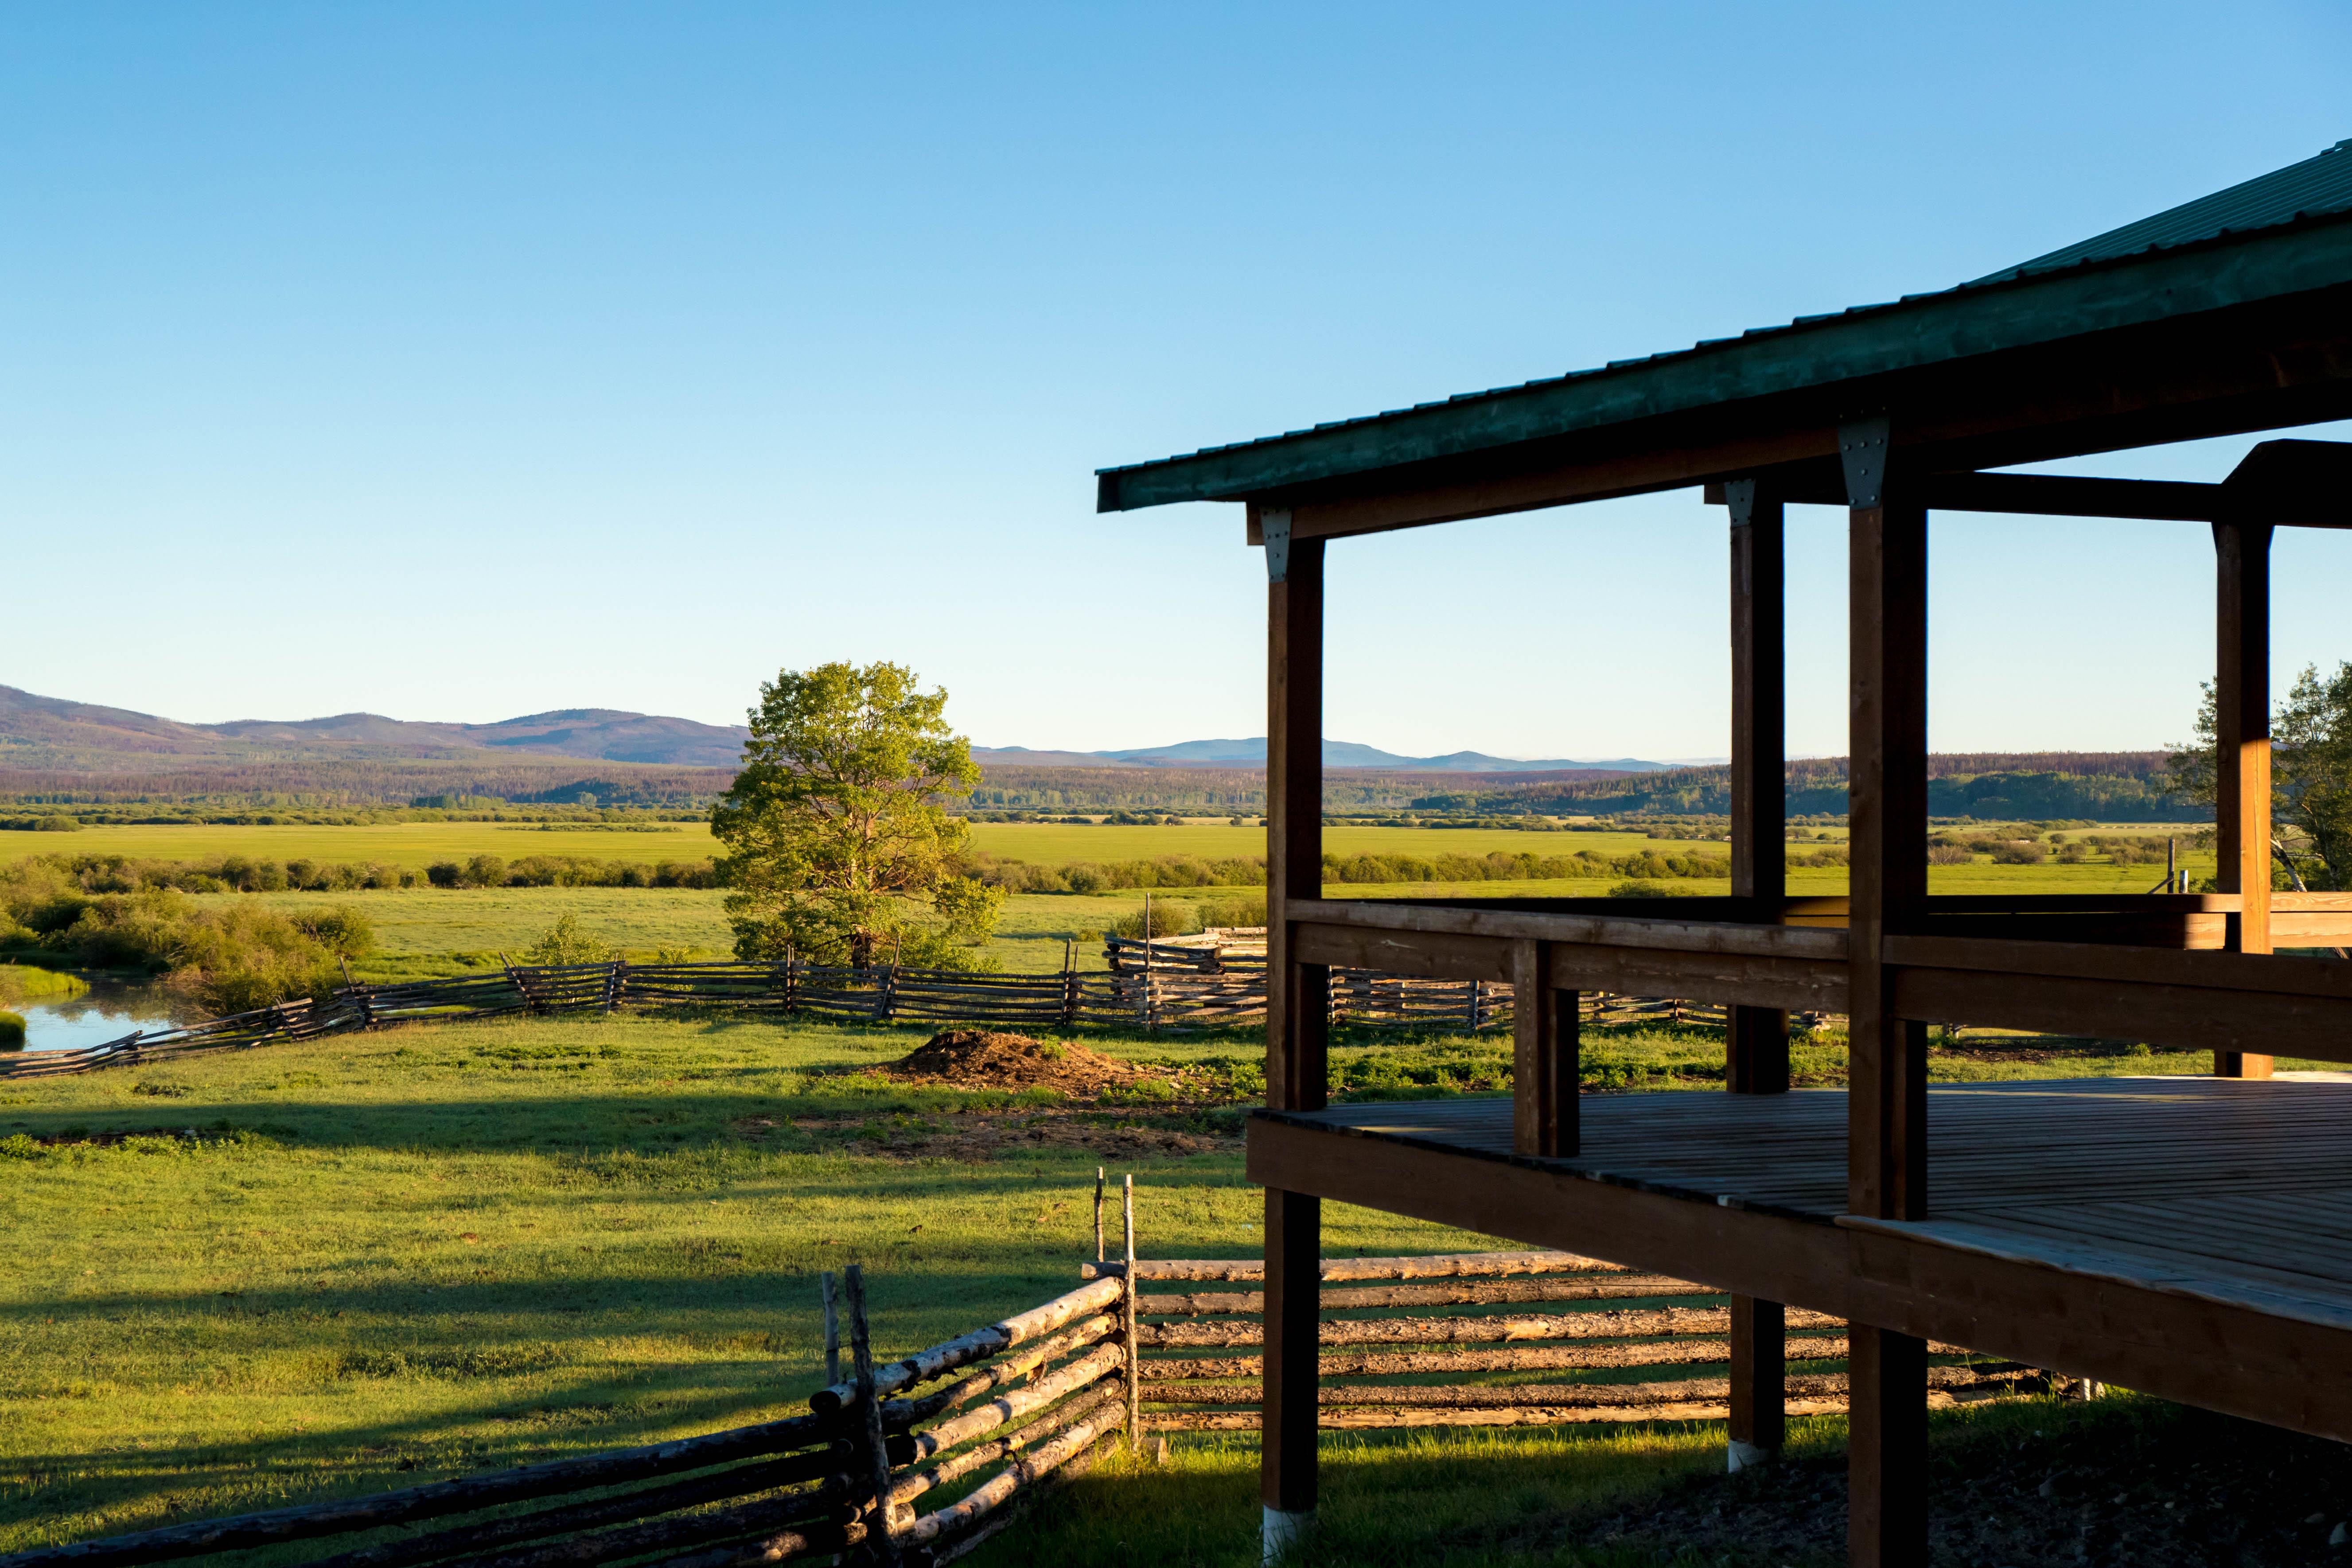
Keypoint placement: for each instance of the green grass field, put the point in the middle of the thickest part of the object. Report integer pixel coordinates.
(392, 1257)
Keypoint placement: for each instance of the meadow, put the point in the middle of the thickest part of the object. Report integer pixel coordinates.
(250, 1280)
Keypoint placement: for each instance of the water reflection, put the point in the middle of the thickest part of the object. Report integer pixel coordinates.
(112, 1008)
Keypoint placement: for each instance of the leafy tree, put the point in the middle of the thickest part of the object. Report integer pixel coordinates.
(2311, 770)
(839, 845)
(567, 941)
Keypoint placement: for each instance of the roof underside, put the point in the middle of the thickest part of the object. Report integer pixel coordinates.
(2259, 256)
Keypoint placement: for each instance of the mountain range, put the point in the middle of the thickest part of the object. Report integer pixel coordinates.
(51, 731)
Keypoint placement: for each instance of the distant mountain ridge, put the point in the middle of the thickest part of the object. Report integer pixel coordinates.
(48, 731)
(1251, 752)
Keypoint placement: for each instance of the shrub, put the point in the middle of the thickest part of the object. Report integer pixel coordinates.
(12, 1031)
(1167, 920)
(567, 941)
(1948, 855)
(444, 874)
(2021, 852)
(1086, 879)
(56, 824)
(485, 872)
(342, 931)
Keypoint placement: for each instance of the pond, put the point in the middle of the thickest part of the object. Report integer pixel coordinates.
(112, 1008)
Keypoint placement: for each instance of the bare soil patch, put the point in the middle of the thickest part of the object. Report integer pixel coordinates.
(984, 1058)
(2124, 1481)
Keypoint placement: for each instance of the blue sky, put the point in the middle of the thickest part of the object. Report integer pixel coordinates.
(458, 361)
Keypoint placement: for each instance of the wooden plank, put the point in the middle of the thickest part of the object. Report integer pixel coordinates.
(1492, 917)
(1758, 1348)
(2181, 1016)
(2242, 715)
(1887, 811)
(1546, 1081)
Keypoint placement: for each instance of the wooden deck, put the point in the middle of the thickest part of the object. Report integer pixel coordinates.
(2152, 1229)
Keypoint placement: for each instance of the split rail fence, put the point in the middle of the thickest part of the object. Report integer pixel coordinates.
(919, 1459)
(1150, 985)
(1526, 1339)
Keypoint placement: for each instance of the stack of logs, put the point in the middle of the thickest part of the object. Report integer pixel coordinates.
(1386, 1362)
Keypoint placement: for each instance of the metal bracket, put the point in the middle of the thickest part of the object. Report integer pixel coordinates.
(1862, 447)
(1274, 527)
(1739, 497)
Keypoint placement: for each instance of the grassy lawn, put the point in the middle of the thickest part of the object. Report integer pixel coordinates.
(392, 1257)
(410, 844)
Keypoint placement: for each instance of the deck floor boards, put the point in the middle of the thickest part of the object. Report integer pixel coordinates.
(2235, 1188)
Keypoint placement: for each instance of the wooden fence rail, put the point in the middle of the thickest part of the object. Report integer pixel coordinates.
(1179, 996)
(1526, 1368)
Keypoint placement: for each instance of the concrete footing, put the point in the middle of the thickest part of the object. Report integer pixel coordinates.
(1284, 1534)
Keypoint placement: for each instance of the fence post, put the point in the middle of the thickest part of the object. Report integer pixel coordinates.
(1134, 1371)
(1070, 991)
(1475, 997)
(613, 982)
(831, 1331)
(792, 982)
(1098, 1202)
(879, 1537)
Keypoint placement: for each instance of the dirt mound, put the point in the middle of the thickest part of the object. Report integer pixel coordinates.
(980, 1058)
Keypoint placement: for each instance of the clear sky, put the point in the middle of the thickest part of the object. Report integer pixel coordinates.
(457, 361)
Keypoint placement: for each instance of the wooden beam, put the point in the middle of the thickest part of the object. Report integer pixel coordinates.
(1887, 818)
(1297, 1013)
(1297, 1071)
(1545, 1066)
(1756, 1039)
(2286, 1371)
(1490, 918)
(1812, 984)
(1886, 1454)
(2242, 713)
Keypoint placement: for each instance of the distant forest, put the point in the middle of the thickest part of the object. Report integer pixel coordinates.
(2097, 787)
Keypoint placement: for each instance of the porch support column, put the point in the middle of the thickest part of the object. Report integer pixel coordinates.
(1756, 1039)
(2241, 727)
(1297, 1020)
(1545, 1069)
(1886, 1100)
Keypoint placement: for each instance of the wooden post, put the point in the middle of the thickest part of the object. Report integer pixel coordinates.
(1544, 1066)
(2242, 726)
(831, 1331)
(1886, 1096)
(1756, 1039)
(1886, 1457)
(1759, 1387)
(879, 1540)
(1127, 1317)
(1099, 1202)
(1297, 1022)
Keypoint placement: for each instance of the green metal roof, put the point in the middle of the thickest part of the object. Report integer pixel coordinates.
(2282, 232)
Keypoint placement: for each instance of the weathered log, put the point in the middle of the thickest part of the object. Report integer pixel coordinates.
(909, 1487)
(948, 1549)
(980, 1344)
(905, 1413)
(1102, 1362)
(1590, 1396)
(1335, 1271)
(432, 1501)
(1496, 1330)
(1040, 1461)
(741, 1481)
(1531, 1415)
(1608, 1287)
(1530, 1358)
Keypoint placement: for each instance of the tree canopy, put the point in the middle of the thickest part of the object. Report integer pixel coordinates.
(2311, 776)
(840, 847)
